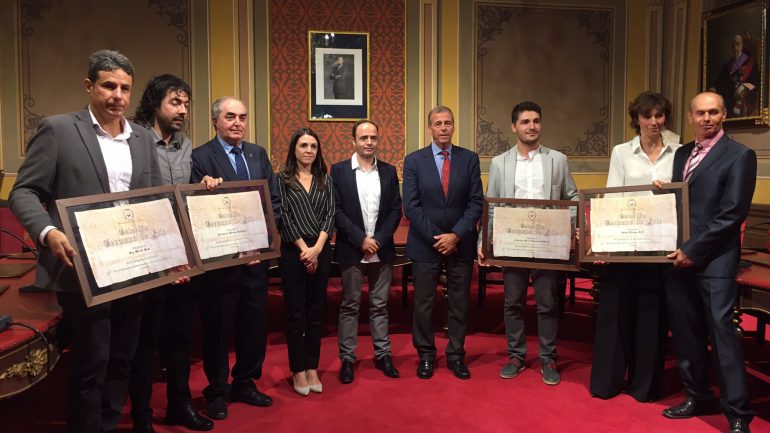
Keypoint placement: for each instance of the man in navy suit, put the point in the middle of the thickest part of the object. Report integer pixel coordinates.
(235, 296)
(442, 200)
(368, 211)
(701, 289)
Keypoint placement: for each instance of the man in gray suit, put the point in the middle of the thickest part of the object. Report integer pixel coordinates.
(530, 171)
(92, 151)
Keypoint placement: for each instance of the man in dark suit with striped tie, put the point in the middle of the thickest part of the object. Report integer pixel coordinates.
(235, 296)
(442, 200)
(701, 289)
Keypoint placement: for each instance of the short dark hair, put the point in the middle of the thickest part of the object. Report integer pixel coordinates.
(156, 90)
(108, 60)
(439, 109)
(644, 103)
(525, 106)
(361, 122)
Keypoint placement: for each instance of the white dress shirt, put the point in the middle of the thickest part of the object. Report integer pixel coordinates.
(368, 185)
(529, 179)
(630, 165)
(116, 154)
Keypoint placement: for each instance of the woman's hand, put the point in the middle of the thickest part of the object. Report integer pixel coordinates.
(311, 254)
(311, 267)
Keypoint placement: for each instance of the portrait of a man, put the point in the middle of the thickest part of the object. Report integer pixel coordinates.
(340, 76)
(738, 80)
(734, 60)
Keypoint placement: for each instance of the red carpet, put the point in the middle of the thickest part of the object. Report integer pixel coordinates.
(374, 403)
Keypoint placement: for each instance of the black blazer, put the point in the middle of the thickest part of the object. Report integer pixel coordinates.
(721, 189)
(349, 220)
(211, 159)
(430, 213)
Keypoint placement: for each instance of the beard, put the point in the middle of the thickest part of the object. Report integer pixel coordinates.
(170, 126)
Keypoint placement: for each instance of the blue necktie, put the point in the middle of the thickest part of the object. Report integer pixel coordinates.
(240, 165)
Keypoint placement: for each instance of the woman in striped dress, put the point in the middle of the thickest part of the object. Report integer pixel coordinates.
(306, 230)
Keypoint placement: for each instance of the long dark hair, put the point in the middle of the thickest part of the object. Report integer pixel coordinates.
(156, 90)
(291, 167)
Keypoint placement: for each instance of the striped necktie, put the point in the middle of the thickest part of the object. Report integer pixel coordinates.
(695, 158)
(445, 169)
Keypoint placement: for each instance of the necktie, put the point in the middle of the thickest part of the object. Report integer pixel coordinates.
(240, 165)
(695, 158)
(445, 173)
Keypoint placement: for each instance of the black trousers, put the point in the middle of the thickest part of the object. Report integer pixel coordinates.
(230, 298)
(631, 330)
(167, 319)
(426, 276)
(698, 307)
(304, 297)
(103, 343)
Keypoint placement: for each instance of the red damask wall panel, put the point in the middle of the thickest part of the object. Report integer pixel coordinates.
(290, 21)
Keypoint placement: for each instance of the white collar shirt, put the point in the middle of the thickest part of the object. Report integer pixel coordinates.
(630, 165)
(116, 154)
(529, 179)
(368, 186)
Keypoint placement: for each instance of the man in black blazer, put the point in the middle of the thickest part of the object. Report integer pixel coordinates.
(92, 151)
(701, 289)
(442, 200)
(368, 211)
(235, 296)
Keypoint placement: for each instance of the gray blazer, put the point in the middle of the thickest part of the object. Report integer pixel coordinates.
(556, 176)
(64, 160)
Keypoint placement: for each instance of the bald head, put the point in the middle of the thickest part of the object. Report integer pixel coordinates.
(708, 97)
(706, 114)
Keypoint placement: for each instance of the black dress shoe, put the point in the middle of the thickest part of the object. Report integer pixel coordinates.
(739, 426)
(346, 372)
(144, 426)
(217, 408)
(188, 417)
(688, 409)
(459, 369)
(385, 364)
(425, 369)
(249, 394)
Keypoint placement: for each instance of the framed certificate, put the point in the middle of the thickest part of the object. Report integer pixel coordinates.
(535, 234)
(633, 223)
(231, 225)
(127, 242)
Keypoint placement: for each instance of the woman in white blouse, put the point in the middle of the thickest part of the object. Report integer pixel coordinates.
(631, 321)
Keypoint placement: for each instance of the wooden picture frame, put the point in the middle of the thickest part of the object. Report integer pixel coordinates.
(93, 293)
(571, 264)
(682, 200)
(274, 240)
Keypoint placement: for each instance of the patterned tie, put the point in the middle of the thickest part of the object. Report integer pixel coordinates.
(445, 173)
(695, 158)
(240, 165)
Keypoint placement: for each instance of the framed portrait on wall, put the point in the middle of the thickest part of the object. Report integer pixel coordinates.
(735, 61)
(338, 72)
